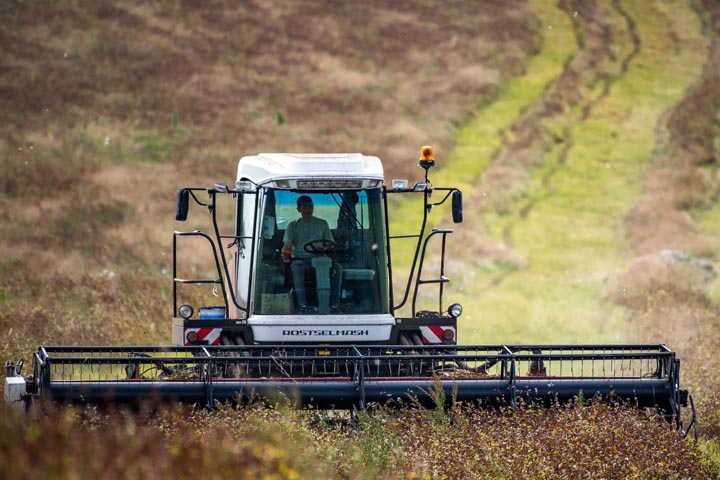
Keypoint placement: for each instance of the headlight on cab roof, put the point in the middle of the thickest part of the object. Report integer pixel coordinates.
(327, 184)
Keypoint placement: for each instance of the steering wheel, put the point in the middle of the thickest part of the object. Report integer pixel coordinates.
(321, 246)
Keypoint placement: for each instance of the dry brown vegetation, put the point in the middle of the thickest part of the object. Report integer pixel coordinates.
(109, 106)
(596, 441)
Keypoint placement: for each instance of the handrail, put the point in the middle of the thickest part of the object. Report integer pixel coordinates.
(442, 280)
(176, 280)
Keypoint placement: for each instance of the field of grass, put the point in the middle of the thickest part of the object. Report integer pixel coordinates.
(572, 205)
(596, 441)
(564, 219)
(584, 135)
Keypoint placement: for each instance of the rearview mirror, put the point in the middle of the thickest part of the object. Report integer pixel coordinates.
(182, 204)
(457, 214)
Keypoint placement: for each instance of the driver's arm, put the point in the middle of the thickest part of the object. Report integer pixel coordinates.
(286, 251)
(288, 243)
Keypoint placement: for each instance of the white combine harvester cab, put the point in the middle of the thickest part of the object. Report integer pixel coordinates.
(345, 276)
(327, 280)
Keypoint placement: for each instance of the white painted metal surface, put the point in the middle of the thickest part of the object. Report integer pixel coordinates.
(269, 167)
(14, 390)
(321, 328)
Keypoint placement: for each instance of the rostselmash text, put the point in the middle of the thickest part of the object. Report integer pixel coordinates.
(326, 333)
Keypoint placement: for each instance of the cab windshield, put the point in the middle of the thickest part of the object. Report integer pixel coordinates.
(321, 253)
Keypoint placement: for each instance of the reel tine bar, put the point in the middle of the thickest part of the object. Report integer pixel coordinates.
(347, 376)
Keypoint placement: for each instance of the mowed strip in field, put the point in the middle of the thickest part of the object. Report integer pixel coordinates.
(555, 239)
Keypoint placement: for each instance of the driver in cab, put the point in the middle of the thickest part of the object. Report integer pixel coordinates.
(299, 233)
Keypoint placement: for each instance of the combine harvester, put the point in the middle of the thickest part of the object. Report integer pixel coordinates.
(309, 312)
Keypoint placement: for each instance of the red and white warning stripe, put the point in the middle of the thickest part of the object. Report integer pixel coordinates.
(211, 335)
(434, 334)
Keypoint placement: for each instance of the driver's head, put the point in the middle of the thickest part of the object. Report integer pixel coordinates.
(304, 201)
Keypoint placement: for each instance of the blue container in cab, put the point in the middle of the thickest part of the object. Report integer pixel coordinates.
(211, 313)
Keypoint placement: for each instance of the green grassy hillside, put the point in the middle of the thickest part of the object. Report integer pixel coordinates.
(597, 195)
(555, 197)
(585, 135)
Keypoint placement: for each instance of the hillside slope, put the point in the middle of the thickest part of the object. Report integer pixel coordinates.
(595, 177)
(109, 106)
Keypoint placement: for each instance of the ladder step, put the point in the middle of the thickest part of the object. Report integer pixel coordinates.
(437, 280)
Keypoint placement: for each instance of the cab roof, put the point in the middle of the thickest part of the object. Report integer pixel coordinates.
(269, 167)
